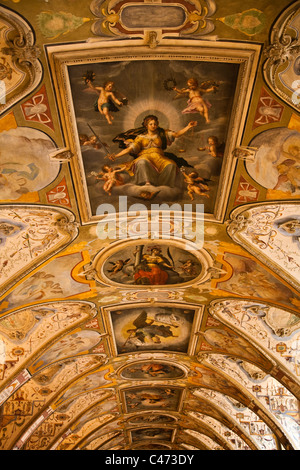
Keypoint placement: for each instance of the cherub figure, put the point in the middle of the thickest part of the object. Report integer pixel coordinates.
(118, 265)
(195, 184)
(214, 147)
(189, 268)
(107, 99)
(196, 104)
(92, 141)
(110, 176)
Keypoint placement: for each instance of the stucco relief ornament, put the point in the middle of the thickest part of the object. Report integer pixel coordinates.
(61, 155)
(20, 70)
(5, 70)
(21, 49)
(245, 153)
(239, 223)
(89, 271)
(281, 68)
(202, 357)
(284, 48)
(66, 226)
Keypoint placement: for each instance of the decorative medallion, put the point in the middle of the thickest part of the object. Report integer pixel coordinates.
(246, 192)
(59, 195)
(268, 110)
(249, 22)
(37, 109)
(144, 264)
(55, 23)
(153, 20)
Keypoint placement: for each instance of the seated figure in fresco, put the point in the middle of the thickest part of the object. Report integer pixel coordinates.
(155, 269)
(151, 165)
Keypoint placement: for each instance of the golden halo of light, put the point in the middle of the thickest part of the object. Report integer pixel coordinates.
(167, 114)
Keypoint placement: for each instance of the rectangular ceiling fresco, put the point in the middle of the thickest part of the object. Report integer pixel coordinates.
(197, 96)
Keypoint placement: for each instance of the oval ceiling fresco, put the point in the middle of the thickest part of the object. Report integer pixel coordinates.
(151, 264)
(156, 370)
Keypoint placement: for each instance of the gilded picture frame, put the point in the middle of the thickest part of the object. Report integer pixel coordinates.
(146, 79)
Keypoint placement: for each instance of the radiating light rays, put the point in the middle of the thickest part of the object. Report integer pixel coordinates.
(167, 114)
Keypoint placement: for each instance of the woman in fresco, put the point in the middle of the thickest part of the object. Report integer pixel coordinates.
(151, 165)
(154, 268)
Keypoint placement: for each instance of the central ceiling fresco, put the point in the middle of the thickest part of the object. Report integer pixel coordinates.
(149, 225)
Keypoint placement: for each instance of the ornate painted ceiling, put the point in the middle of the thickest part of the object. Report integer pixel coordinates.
(149, 295)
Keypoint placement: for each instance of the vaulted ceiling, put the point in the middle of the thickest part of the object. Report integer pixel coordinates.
(160, 314)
